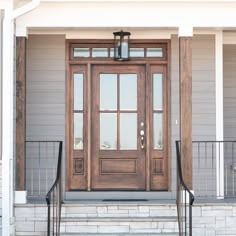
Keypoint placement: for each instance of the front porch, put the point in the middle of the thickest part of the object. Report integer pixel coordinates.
(45, 118)
(112, 149)
(46, 105)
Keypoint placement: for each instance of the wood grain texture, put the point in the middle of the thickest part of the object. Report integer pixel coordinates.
(121, 173)
(160, 181)
(185, 76)
(146, 179)
(148, 128)
(20, 112)
(67, 123)
(89, 104)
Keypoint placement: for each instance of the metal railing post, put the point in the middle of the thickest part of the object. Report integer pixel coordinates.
(184, 216)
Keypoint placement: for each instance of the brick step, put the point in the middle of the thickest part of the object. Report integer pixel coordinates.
(120, 219)
(119, 225)
(118, 210)
(120, 234)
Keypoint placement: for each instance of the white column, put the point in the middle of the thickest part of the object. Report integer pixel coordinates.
(219, 114)
(7, 121)
(7, 111)
(185, 31)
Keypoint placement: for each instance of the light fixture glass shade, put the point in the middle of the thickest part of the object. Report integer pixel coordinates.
(121, 46)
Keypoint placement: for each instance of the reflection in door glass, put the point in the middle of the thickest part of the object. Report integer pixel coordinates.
(128, 92)
(128, 131)
(108, 131)
(108, 91)
(136, 52)
(111, 52)
(81, 52)
(157, 91)
(78, 131)
(100, 52)
(154, 52)
(78, 91)
(158, 132)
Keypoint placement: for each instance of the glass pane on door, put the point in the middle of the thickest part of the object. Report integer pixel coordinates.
(78, 131)
(108, 131)
(108, 91)
(158, 131)
(78, 91)
(157, 92)
(128, 131)
(128, 92)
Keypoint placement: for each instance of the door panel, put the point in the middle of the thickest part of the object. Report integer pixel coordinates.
(118, 155)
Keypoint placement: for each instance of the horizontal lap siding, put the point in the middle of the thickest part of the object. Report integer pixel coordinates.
(45, 98)
(229, 92)
(203, 95)
(1, 21)
(229, 55)
(203, 88)
(45, 88)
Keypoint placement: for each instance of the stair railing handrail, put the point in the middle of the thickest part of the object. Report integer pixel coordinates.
(54, 196)
(185, 222)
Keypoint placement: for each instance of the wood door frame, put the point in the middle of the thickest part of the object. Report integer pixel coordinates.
(88, 62)
(137, 156)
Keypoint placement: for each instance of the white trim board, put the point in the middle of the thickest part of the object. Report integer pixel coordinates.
(101, 33)
(219, 112)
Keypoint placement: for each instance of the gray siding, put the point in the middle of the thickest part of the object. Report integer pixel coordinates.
(45, 111)
(45, 88)
(1, 34)
(229, 52)
(203, 97)
(203, 88)
(229, 55)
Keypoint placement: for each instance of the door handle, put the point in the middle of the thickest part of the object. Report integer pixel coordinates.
(142, 135)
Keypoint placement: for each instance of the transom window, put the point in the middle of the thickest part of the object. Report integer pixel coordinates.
(98, 51)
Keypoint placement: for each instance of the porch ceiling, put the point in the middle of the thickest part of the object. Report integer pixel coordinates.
(156, 15)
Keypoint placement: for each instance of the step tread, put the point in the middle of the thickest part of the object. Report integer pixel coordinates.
(131, 218)
(120, 234)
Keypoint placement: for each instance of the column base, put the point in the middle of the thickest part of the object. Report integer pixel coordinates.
(21, 197)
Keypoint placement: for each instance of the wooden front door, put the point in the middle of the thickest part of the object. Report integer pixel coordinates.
(118, 127)
(118, 117)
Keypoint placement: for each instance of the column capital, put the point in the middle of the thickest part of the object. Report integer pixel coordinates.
(21, 31)
(185, 31)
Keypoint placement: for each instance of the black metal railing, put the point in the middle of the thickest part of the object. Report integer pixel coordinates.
(54, 200)
(184, 199)
(41, 167)
(214, 169)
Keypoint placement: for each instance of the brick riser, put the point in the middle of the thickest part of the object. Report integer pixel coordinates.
(119, 219)
(100, 219)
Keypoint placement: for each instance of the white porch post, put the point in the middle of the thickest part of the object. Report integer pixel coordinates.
(7, 121)
(219, 114)
(7, 112)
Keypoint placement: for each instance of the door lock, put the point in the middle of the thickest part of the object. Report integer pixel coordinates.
(142, 138)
